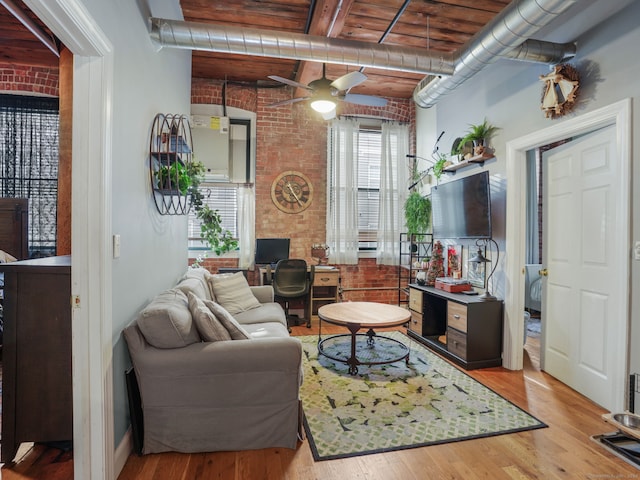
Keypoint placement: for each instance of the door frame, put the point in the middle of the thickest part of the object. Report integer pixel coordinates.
(91, 269)
(618, 114)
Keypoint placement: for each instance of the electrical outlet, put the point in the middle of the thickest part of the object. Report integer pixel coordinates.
(636, 250)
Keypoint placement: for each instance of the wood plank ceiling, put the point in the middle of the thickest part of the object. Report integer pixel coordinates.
(440, 25)
(18, 46)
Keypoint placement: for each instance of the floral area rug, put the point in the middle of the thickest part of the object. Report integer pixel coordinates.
(396, 406)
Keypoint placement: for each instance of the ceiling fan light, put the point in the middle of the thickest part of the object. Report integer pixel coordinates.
(322, 105)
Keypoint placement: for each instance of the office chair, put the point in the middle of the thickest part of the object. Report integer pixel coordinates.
(290, 281)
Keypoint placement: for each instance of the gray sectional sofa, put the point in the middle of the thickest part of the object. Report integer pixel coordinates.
(232, 394)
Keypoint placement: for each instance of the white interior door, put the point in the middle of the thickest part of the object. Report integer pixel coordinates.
(581, 306)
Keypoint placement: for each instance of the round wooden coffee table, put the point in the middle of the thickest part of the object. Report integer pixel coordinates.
(358, 315)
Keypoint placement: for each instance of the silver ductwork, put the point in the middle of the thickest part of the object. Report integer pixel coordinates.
(541, 52)
(275, 44)
(509, 30)
(506, 36)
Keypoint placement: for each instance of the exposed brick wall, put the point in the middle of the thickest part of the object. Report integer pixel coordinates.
(25, 78)
(292, 137)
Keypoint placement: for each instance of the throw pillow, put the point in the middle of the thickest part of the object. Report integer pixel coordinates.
(209, 328)
(231, 324)
(167, 322)
(233, 293)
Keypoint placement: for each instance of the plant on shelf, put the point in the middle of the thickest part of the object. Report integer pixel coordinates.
(440, 164)
(417, 213)
(217, 238)
(479, 135)
(174, 177)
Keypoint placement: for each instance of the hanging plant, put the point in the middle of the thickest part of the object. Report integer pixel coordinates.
(440, 165)
(217, 238)
(211, 231)
(417, 213)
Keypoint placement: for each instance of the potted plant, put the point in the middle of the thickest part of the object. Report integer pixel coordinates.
(217, 238)
(174, 178)
(479, 135)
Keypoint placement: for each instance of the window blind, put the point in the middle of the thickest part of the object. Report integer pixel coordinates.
(369, 152)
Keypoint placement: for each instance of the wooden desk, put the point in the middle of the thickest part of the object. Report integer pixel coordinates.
(325, 289)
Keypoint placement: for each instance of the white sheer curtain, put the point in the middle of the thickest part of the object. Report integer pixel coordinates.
(342, 194)
(393, 191)
(246, 227)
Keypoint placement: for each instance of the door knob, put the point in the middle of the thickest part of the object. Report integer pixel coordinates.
(544, 272)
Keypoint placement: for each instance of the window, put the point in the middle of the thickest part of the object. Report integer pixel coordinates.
(367, 183)
(369, 153)
(29, 163)
(221, 197)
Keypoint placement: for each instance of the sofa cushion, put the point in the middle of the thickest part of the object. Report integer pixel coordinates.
(233, 292)
(166, 322)
(208, 325)
(268, 312)
(194, 285)
(197, 280)
(226, 319)
(267, 330)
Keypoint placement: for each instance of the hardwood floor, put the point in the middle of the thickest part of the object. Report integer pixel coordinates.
(562, 451)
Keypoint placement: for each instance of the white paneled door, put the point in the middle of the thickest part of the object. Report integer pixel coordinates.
(581, 306)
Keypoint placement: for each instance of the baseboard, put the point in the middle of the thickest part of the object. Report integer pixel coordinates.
(123, 450)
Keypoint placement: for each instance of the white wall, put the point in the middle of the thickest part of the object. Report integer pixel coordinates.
(153, 247)
(508, 94)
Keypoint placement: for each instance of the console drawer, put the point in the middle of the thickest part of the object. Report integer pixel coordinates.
(326, 279)
(457, 343)
(457, 316)
(415, 323)
(415, 300)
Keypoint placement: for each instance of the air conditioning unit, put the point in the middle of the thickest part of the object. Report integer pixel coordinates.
(211, 142)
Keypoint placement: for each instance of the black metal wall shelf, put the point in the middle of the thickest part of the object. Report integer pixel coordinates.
(170, 152)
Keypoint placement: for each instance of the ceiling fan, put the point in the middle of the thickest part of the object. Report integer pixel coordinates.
(325, 94)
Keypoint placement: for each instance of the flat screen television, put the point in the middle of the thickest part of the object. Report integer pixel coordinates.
(462, 208)
(271, 250)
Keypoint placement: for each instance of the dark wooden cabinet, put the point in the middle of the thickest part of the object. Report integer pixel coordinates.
(462, 328)
(37, 404)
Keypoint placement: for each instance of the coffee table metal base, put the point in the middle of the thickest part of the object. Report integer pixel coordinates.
(377, 345)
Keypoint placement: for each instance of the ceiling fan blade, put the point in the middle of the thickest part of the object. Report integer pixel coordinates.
(348, 81)
(288, 82)
(329, 115)
(287, 102)
(367, 100)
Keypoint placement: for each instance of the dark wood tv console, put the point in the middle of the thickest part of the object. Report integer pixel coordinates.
(463, 328)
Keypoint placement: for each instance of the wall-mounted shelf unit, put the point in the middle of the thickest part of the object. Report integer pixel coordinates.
(478, 159)
(170, 150)
(413, 250)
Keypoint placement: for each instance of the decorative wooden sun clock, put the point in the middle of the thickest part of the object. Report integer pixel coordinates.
(292, 192)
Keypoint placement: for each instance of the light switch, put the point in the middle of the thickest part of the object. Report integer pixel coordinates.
(116, 246)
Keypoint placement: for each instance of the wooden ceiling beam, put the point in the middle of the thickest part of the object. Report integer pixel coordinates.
(327, 21)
